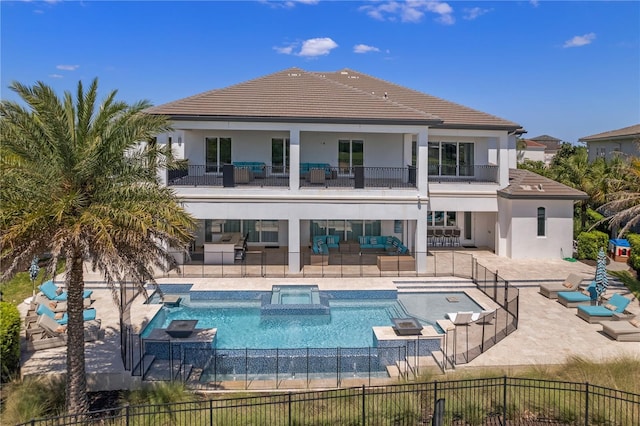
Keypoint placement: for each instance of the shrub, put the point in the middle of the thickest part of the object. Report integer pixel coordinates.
(589, 243)
(634, 259)
(9, 340)
(33, 398)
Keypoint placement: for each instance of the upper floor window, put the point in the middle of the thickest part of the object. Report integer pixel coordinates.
(350, 154)
(218, 153)
(542, 221)
(280, 155)
(451, 158)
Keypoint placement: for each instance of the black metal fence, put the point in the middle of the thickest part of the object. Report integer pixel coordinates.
(491, 401)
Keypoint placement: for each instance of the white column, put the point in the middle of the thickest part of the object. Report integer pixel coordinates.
(503, 160)
(294, 161)
(423, 163)
(420, 249)
(294, 246)
(408, 141)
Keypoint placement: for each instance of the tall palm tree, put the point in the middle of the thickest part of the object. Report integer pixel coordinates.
(624, 202)
(76, 182)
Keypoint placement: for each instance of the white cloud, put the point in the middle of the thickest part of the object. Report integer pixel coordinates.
(317, 47)
(363, 48)
(288, 4)
(309, 48)
(578, 41)
(535, 3)
(472, 13)
(55, 76)
(68, 67)
(410, 11)
(284, 50)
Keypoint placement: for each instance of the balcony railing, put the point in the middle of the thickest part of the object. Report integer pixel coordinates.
(443, 173)
(267, 176)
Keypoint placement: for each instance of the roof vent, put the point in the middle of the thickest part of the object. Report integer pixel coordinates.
(540, 187)
(293, 74)
(344, 73)
(386, 96)
(526, 187)
(353, 76)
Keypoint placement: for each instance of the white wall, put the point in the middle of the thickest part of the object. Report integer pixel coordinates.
(524, 242)
(533, 154)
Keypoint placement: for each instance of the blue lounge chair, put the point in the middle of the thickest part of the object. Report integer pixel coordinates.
(615, 305)
(573, 299)
(63, 318)
(53, 292)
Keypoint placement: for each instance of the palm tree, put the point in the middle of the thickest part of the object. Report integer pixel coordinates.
(624, 201)
(76, 182)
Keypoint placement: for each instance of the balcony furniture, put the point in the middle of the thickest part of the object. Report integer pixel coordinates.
(258, 169)
(242, 175)
(332, 241)
(430, 237)
(391, 245)
(350, 247)
(396, 263)
(224, 251)
(438, 236)
(317, 176)
(447, 237)
(456, 237)
(305, 169)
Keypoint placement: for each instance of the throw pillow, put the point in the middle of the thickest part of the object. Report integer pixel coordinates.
(635, 322)
(61, 329)
(585, 292)
(58, 291)
(373, 241)
(58, 316)
(361, 240)
(610, 307)
(52, 305)
(567, 285)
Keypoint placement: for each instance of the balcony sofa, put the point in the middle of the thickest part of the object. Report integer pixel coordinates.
(305, 169)
(257, 168)
(387, 243)
(322, 243)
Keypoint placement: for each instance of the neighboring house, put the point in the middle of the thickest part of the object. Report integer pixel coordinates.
(296, 154)
(552, 145)
(625, 141)
(532, 151)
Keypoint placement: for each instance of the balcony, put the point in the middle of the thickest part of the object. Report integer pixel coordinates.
(441, 173)
(325, 177)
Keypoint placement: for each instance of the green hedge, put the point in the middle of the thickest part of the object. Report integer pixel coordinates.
(589, 243)
(634, 242)
(9, 340)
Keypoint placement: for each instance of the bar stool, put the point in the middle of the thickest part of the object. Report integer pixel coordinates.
(430, 237)
(456, 237)
(447, 237)
(438, 237)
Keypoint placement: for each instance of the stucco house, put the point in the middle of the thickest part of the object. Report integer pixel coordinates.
(532, 151)
(343, 160)
(625, 141)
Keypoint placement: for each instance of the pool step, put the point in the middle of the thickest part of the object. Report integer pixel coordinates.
(423, 364)
(393, 371)
(147, 361)
(160, 370)
(443, 363)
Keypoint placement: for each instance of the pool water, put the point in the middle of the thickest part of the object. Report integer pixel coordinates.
(348, 326)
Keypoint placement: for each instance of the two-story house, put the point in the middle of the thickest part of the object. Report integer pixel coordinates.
(625, 141)
(299, 158)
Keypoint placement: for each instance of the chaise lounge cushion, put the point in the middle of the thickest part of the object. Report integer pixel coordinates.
(600, 313)
(551, 290)
(53, 292)
(623, 331)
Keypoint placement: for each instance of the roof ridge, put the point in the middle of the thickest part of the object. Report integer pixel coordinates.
(426, 94)
(364, 92)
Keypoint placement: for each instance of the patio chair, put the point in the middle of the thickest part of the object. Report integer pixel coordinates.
(50, 334)
(572, 283)
(623, 331)
(62, 318)
(463, 318)
(53, 292)
(593, 314)
(438, 237)
(573, 299)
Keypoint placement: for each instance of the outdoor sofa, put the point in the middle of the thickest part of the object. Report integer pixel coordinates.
(257, 168)
(623, 331)
(572, 283)
(593, 314)
(322, 243)
(390, 244)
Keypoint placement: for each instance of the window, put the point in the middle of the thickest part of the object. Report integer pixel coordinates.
(258, 231)
(348, 230)
(350, 154)
(280, 155)
(442, 219)
(218, 153)
(541, 222)
(451, 158)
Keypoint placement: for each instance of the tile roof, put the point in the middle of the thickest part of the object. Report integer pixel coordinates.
(344, 96)
(533, 144)
(552, 144)
(626, 132)
(524, 184)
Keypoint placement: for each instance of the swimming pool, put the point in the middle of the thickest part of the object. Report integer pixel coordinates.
(349, 325)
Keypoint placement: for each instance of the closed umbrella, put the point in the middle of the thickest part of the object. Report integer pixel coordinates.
(33, 274)
(601, 279)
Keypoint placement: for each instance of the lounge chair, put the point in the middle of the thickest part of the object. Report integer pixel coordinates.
(593, 314)
(62, 318)
(463, 318)
(53, 292)
(623, 331)
(573, 299)
(572, 283)
(50, 334)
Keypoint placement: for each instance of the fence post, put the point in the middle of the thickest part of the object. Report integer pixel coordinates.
(586, 404)
(435, 392)
(495, 286)
(211, 412)
(126, 413)
(364, 411)
(504, 401)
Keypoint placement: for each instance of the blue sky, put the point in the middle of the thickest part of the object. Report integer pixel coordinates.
(566, 69)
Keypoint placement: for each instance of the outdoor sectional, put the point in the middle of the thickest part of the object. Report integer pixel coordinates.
(257, 168)
(387, 243)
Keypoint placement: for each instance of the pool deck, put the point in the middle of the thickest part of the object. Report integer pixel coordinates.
(548, 333)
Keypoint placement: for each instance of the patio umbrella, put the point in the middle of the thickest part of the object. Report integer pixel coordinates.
(601, 279)
(33, 273)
